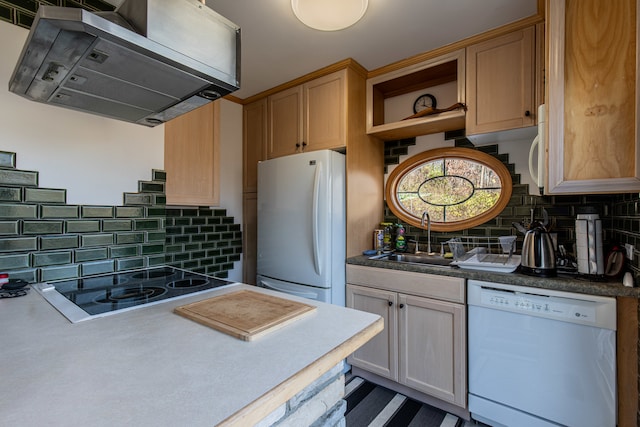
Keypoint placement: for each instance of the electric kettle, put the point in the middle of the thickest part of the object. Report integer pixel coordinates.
(538, 255)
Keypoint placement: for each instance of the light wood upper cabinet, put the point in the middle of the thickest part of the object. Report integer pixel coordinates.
(501, 83)
(191, 145)
(308, 117)
(423, 344)
(592, 97)
(325, 115)
(254, 139)
(285, 127)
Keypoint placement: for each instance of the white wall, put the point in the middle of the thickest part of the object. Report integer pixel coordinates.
(96, 159)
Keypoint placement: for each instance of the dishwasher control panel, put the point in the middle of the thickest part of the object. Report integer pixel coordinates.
(590, 310)
(551, 307)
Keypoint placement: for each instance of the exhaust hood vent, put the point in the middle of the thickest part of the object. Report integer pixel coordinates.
(146, 63)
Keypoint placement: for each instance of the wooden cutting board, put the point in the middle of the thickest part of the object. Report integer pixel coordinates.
(245, 314)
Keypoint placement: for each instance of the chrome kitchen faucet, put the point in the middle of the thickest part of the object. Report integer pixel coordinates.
(425, 215)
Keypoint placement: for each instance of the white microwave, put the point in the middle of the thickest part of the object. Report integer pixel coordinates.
(537, 152)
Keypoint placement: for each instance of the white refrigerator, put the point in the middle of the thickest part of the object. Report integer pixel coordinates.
(302, 225)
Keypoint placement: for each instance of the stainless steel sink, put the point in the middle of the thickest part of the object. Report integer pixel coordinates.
(419, 259)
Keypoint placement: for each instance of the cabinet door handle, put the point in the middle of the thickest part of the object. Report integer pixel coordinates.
(390, 303)
(401, 305)
(527, 113)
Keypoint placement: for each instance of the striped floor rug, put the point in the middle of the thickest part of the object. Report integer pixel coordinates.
(369, 405)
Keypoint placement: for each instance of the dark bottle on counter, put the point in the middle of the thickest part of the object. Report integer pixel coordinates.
(401, 241)
(388, 235)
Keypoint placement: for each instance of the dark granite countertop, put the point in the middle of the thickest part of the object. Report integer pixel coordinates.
(564, 282)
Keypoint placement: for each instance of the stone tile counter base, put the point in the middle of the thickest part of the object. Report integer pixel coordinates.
(309, 407)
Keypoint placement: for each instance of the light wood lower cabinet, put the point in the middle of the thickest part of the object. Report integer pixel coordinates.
(430, 337)
(380, 355)
(423, 345)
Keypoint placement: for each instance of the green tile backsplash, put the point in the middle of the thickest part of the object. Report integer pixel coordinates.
(69, 241)
(44, 195)
(82, 255)
(104, 239)
(10, 194)
(97, 267)
(197, 237)
(16, 177)
(129, 211)
(42, 227)
(80, 226)
(42, 259)
(43, 238)
(122, 238)
(58, 273)
(55, 211)
(8, 211)
(124, 251)
(10, 228)
(19, 244)
(150, 187)
(117, 225)
(7, 159)
(97, 211)
(14, 261)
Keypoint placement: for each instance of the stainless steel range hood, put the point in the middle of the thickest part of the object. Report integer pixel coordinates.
(146, 63)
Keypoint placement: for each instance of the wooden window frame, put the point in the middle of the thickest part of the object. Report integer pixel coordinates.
(439, 153)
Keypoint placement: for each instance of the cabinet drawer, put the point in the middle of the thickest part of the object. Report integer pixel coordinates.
(427, 285)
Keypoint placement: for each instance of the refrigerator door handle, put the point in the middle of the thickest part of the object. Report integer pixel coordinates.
(274, 287)
(315, 218)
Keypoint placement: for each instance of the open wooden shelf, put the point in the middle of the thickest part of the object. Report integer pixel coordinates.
(450, 120)
(437, 71)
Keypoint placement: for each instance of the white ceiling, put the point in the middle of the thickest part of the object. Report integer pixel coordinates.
(276, 47)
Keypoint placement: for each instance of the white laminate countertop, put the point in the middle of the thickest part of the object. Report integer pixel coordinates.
(152, 367)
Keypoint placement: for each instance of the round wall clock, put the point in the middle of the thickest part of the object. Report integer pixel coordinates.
(424, 101)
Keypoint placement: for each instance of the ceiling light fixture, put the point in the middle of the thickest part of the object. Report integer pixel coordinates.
(329, 15)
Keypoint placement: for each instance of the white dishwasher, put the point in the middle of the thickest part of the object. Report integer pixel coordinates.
(541, 358)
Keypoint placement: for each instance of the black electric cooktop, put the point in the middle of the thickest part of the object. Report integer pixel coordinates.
(94, 296)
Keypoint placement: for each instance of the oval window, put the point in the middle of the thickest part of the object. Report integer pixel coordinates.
(459, 188)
